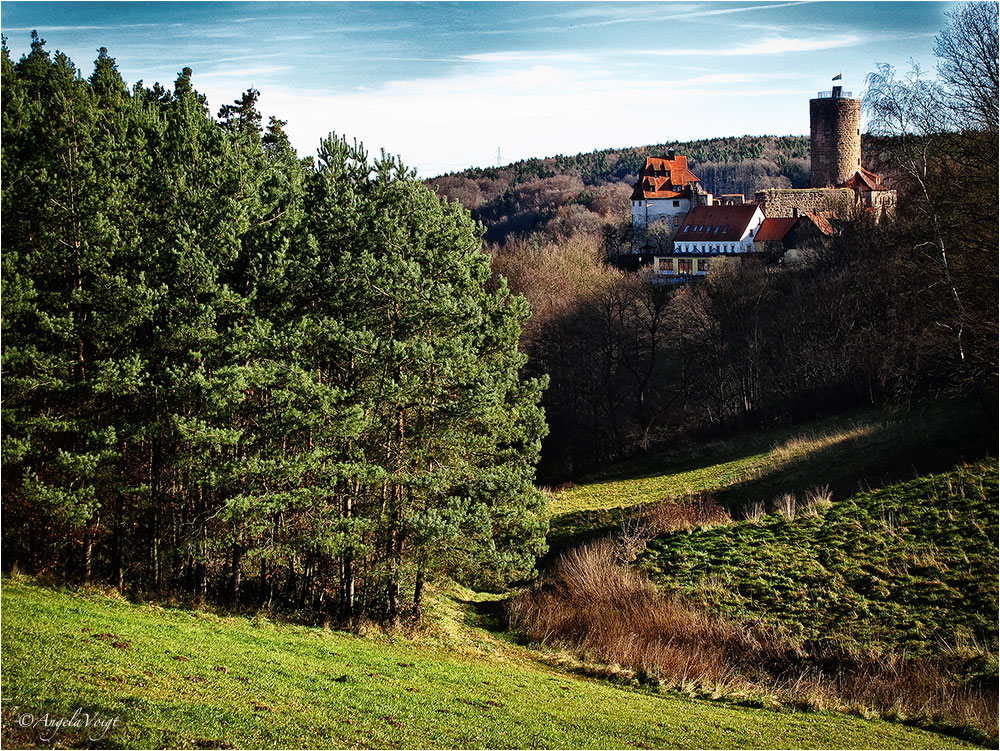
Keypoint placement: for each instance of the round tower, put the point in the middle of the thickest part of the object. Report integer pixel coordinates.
(835, 137)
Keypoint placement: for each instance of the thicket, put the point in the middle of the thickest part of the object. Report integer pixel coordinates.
(233, 374)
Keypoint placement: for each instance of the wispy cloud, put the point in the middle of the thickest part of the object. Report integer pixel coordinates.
(723, 78)
(245, 72)
(703, 11)
(773, 46)
(48, 28)
(525, 56)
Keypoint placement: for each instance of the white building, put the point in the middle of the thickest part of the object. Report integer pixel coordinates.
(663, 195)
(708, 232)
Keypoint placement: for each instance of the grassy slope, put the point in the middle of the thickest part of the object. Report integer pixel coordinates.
(910, 567)
(846, 453)
(253, 683)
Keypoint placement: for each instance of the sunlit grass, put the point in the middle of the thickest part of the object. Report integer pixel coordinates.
(186, 679)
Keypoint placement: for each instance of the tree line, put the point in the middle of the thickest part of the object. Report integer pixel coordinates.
(237, 375)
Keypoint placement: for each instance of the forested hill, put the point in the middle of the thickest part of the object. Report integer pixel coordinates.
(563, 194)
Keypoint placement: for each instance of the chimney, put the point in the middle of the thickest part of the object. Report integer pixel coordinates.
(670, 154)
(836, 91)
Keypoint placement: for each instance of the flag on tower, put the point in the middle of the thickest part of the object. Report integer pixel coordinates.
(838, 76)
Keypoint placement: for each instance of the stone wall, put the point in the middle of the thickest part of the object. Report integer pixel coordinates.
(835, 139)
(780, 201)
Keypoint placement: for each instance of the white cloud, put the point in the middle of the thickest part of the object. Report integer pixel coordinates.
(772, 46)
(438, 124)
(524, 56)
(244, 72)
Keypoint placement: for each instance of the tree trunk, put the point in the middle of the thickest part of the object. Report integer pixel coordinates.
(237, 573)
(88, 549)
(202, 575)
(418, 594)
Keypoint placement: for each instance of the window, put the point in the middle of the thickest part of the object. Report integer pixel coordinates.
(677, 219)
(717, 230)
(684, 266)
(676, 203)
(726, 229)
(702, 265)
(666, 266)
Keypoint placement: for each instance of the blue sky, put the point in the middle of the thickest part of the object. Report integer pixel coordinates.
(446, 84)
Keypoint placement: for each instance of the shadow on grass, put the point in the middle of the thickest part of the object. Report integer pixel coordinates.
(899, 446)
(489, 615)
(896, 450)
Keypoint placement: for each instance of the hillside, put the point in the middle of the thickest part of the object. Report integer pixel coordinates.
(583, 192)
(186, 679)
(847, 453)
(776, 568)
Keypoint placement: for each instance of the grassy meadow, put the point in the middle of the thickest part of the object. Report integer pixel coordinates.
(189, 679)
(785, 564)
(909, 567)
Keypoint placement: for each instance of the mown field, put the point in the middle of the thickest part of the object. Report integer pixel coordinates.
(188, 679)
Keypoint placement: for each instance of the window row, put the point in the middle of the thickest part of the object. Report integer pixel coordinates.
(714, 228)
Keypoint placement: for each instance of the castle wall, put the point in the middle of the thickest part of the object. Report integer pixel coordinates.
(654, 220)
(835, 139)
(778, 202)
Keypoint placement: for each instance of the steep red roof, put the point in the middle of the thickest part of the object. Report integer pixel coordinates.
(664, 178)
(774, 229)
(717, 223)
(820, 220)
(862, 179)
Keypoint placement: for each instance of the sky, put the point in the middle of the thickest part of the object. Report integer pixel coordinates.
(446, 84)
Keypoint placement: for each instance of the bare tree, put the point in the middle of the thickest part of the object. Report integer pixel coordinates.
(968, 53)
(943, 135)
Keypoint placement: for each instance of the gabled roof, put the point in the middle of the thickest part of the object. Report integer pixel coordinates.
(774, 229)
(862, 179)
(820, 219)
(717, 223)
(664, 178)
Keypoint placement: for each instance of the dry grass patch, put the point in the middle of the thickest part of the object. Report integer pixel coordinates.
(594, 605)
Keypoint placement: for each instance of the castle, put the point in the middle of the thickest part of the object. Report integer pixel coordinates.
(682, 226)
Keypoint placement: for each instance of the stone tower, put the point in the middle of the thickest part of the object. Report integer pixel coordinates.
(835, 137)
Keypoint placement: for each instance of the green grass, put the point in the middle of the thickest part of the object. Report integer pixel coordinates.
(867, 448)
(190, 679)
(911, 567)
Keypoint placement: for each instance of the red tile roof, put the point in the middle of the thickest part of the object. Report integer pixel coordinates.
(664, 178)
(862, 179)
(820, 220)
(716, 223)
(774, 229)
